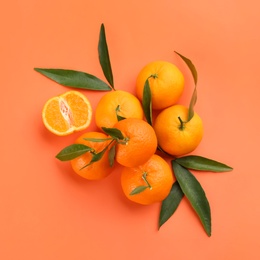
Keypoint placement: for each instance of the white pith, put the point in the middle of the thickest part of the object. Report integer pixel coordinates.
(65, 111)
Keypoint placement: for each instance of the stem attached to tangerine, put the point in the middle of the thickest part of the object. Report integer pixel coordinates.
(181, 127)
(146, 181)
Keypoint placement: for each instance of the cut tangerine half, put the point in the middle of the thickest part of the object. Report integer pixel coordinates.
(67, 113)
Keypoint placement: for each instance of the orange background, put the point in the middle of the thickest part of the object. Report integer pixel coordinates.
(49, 213)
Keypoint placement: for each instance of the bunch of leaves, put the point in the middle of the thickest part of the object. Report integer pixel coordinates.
(186, 183)
(75, 150)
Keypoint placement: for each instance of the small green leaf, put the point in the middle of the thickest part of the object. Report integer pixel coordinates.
(73, 151)
(75, 79)
(171, 203)
(195, 78)
(119, 118)
(111, 155)
(98, 140)
(95, 157)
(147, 102)
(195, 194)
(200, 163)
(104, 56)
(113, 132)
(138, 190)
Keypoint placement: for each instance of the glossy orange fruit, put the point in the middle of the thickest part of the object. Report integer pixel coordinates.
(166, 83)
(178, 138)
(67, 113)
(99, 169)
(154, 177)
(139, 145)
(117, 103)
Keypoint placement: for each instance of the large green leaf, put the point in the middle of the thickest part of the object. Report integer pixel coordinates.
(195, 194)
(171, 203)
(200, 163)
(147, 102)
(74, 79)
(104, 56)
(72, 151)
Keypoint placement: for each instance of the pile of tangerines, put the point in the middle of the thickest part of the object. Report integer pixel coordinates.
(124, 134)
(128, 133)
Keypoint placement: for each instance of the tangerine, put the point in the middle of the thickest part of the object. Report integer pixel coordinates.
(117, 105)
(139, 144)
(82, 165)
(67, 113)
(153, 179)
(166, 83)
(176, 135)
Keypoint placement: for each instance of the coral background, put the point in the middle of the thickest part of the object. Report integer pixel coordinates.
(46, 211)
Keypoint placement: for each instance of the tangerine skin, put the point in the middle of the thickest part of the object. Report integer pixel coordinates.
(158, 174)
(141, 142)
(106, 111)
(166, 83)
(171, 138)
(97, 170)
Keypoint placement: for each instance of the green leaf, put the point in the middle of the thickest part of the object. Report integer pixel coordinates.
(171, 203)
(73, 151)
(195, 194)
(138, 190)
(192, 104)
(147, 102)
(195, 78)
(95, 157)
(111, 155)
(98, 140)
(104, 56)
(113, 132)
(75, 79)
(191, 67)
(200, 163)
(119, 118)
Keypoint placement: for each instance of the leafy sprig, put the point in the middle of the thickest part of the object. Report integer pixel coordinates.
(75, 150)
(83, 80)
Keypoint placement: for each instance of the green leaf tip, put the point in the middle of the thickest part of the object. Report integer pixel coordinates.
(195, 194)
(170, 203)
(195, 162)
(195, 78)
(104, 58)
(191, 67)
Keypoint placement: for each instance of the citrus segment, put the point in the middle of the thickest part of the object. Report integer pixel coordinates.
(67, 113)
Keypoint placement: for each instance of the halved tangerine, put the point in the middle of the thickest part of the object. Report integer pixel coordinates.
(67, 113)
